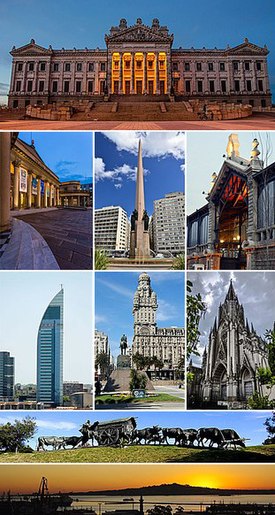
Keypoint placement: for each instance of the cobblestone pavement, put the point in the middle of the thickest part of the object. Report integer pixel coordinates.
(256, 122)
(68, 234)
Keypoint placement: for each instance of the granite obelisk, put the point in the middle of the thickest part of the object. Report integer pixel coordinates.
(139, 243)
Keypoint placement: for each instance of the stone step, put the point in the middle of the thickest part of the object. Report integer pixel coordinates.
(119, 381)
(139, 98)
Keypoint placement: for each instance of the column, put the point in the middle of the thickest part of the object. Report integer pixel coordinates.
(145, 89)
(46, 184)
(242, 79)
(120, 86)
(16, 181)
(97, 78)
(157, 74)
(57, 197)
(5, 142)
(133, 73)
(168, 61)
(38, 196)
(35, 78)
(29, 190)
(50, 197)
(24, 80)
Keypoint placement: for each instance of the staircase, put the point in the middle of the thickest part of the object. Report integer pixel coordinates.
(119, 381)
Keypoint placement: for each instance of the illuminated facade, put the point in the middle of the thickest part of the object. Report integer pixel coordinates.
(236, 228)
(139, 60)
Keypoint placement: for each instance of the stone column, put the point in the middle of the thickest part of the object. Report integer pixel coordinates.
(5, 180)
(16, 181)
(133, 73)
(57, 197)
(97, 78)
(24, 77)
(168, 67)
(35, 78)
(120, 86)
(38, 196)
(145, 88)
(50, 197)
(46, 185)
(157, 74)
(29, 190)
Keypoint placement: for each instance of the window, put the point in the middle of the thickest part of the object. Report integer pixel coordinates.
(260, 85)
(55, 67)
(258, 66)
(223, 86)
(54, 86)
(91, 67)
(187, 67)
(79, 67)
(42, 67)
(235, 66)
(199, 86)
(67, 67)
(116, 65)
(188, 86)
(66, 86)
(210, 67)
(150, 65)
(138, 64)
(90, 86)
(102, 67)
(203, 230)
(78, 86)
(29, 86)
(31, 67)
(18, 85)
(199, 67)
(248, 85)
(237, 85)
(176, 85)
(175, 67)
(263, 102)
(266, 205)
(222, 67)
(161, 65)
(127, 65)
(15, 104)
(247, 65)
(27, 103)
(41, 86)
(193, 234)
(19, 67)
(212, 86)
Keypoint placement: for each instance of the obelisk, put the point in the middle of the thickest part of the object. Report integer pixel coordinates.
(139, 243)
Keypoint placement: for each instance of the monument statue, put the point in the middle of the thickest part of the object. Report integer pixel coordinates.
(123, 345)
(145, 219)
(134, 217)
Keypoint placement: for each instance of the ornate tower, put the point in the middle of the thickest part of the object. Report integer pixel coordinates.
(139, 243)
(144, 311)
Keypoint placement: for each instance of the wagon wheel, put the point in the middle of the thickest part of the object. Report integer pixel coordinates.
(108, 437)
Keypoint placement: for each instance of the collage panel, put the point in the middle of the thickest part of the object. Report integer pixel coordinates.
(46, 196)
(139, 200)
(139, 342)
(46, 340)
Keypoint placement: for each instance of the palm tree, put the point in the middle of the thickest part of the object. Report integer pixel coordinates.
(101, 260)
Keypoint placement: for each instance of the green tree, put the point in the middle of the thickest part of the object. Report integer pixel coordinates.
(270, 425)
(195, 310)
(139, 361)
(270, 338)
(103, 362)
(101, 260)
(13, 437)
(179, 262)
(180, 370)
(137, 380)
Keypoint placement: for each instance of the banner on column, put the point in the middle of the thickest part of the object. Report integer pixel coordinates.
(34, 186)
(23, 181)
(42, 187)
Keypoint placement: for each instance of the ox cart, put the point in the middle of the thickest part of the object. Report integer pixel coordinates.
(115, 432)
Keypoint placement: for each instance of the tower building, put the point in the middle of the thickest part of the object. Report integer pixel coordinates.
(6, 376)
(50, 353)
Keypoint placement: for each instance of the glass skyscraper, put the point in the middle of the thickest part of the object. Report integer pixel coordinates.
(6, 376)
(50, 353)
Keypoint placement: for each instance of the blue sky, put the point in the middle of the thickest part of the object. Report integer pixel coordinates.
(68, 154)
(116, 162)
(69, 24)
(247, 424)
(114, 293)
(24, 297)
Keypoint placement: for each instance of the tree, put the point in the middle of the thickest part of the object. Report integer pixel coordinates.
(13, 437)
(101, 260)
(195, 310)
(270, 425)
(266, 377)
(179, 262)
(103, 362)
(160, 510)
(137, 380)
(270, 338)
(139, 361)
(180, 370)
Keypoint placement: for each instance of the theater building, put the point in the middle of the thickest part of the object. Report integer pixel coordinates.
(139, 60)
(33, 184)
(235, 229)
(73, 195)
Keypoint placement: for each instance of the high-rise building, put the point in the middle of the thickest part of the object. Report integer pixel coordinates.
(50, 353)
(101, 343)
(164, 343)
(112, 228)
(6, 376)
(167, 224)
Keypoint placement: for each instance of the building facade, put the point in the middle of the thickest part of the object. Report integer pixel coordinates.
(101, 343)
(112, 229)
(236, 228)
(233, 356)
(138, 60)
(7, 364)
(50, 353)
(165, 343)
(72, 194)
(168, 225)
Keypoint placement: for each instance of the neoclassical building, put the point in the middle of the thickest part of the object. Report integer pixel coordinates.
(235, 229)
(139, 60)
(165, 343)
(232, 357)
(72, 194)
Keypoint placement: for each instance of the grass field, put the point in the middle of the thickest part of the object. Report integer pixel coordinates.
(120, 398)
(143, 454)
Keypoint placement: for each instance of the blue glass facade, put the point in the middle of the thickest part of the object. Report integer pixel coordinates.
(50, 353)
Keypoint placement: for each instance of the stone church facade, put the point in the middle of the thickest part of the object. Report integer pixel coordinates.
(139, 60)
(232, 357)
(165, 343)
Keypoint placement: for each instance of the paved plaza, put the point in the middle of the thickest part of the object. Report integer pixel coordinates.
(68, 234)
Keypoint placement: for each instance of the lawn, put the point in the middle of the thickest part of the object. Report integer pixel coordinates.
(145, 454)
(118, 398)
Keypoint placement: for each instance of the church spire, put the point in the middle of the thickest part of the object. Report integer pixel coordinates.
(231, 295)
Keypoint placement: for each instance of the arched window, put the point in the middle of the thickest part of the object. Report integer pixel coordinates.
(266, 205)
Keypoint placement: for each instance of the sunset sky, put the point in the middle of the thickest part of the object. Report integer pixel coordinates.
(26, 478)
